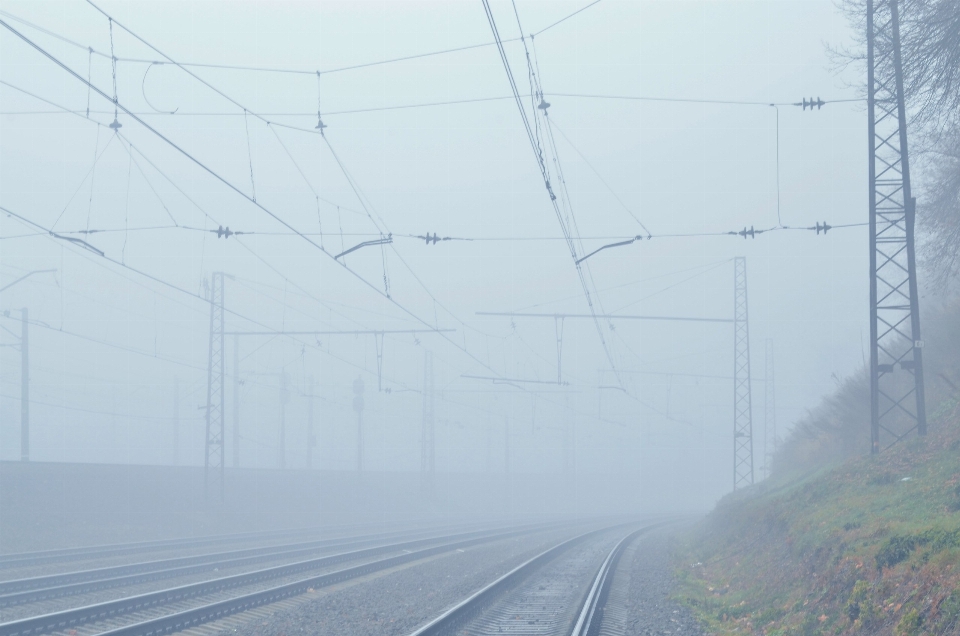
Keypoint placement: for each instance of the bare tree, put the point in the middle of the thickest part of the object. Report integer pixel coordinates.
(939, 210)
(930, 43)
(930, 50)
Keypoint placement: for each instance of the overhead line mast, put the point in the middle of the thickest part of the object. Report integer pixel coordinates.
(428, 464)
(213, 458)
(743, 473)
(896, 346)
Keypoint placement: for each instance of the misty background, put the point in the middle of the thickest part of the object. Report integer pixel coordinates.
(119, 359)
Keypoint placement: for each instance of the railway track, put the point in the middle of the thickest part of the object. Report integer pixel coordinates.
(545, 595)
(185, 606)
(602, 611)
(41, 588)
(260, 539)
(66, 555)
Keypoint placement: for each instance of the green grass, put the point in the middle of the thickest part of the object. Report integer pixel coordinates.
(871, 546)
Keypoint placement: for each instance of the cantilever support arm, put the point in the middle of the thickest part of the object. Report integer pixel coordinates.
(27, 275)
(383, 241)
(77, 241)
(605, 247)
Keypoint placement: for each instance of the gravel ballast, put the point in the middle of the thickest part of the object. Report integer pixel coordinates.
(650, 610)
(399, 602)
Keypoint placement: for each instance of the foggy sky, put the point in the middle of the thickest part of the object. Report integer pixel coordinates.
(462, 170)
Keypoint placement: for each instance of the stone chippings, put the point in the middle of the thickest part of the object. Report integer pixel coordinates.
(399, 602)
(650, 610)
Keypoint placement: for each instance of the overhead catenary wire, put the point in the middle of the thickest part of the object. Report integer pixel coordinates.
(517, 238)
(600, 419)
(129, 149)
(90, 173)
(367, 206)
(432, 104)
(183, 291)
(534, 139)
(113, 67)
(751, 232)
(129, 146)
(253, 184)
(66, 407)
(91, 51)
(272, 268)
(632, 283)
(452, 102)
(197, 162)
(552, 122)
(206, 215)
(565, 195)
(516, 93)
(96, 144)
(386, 291)
(149, 276)
(777, 109)
(216, 175)
(261, 69)
(112, 345)
(675, 284)
(419, 238)
(565, 18)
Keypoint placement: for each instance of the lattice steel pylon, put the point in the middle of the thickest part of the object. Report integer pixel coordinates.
(769, 408)
(236, 401)
(896, 361)
(742, 398)
(213, 455)
(427, 438)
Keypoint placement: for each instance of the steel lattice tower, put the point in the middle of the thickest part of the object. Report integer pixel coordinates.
(214, 455)
(282, 431)
(896, 362)
(569, 442)
(769, 408)
(236, 400)
(24, 385)
(427, 438)
(742, 399)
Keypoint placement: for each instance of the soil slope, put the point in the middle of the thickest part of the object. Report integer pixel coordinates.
(871, 546)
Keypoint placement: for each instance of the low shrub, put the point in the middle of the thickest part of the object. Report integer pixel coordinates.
(897, 548)
(909, 624)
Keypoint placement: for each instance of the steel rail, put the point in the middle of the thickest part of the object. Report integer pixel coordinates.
(457, 616)
(71, 618)
(18, 559)
(59, 555)
(50, 580)
(464, 611)
(40, 588)
(591, 613)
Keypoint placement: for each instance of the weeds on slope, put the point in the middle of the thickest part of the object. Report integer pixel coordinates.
(869, 547)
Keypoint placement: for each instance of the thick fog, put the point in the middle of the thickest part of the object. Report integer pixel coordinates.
(118, 344)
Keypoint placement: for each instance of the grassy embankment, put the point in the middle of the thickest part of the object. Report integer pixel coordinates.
(871, 546)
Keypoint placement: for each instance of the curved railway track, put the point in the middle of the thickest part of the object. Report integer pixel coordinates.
(543, 596)
(185, 606)
(593, 618)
